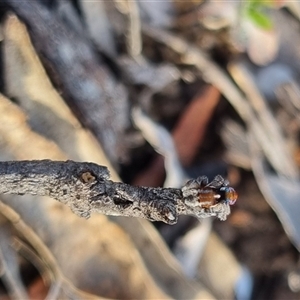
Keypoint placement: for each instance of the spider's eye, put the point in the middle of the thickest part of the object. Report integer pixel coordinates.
(230, 195)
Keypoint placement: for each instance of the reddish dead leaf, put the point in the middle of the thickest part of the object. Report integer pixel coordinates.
(190, 130)
(146, 178)
(188, 136)
(37, 290)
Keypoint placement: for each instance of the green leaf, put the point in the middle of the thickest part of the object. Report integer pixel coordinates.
(259, 18)
(261, 3)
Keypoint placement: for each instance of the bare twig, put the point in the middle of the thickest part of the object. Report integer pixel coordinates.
(86, 188)
(274, 140)
(26, 251)
(134, 39)
(217, 77)
(11, 277)
(60, 282)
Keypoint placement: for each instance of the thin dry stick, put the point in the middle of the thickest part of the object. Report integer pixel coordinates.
(214, 75)
(134, 39)
(24, 250)
(277, 145)
(11, 278)
(60, 283)
(130, 8)
(86, 188)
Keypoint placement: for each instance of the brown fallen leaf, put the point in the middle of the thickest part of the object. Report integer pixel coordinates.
(190, 130)
(188, 136)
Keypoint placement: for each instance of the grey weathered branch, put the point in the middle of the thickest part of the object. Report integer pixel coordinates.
(88, 86)
(86, 188)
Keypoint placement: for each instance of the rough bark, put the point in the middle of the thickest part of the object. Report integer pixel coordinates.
(86, 188)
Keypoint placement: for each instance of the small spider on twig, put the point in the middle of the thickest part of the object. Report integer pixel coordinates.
(86, 188)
